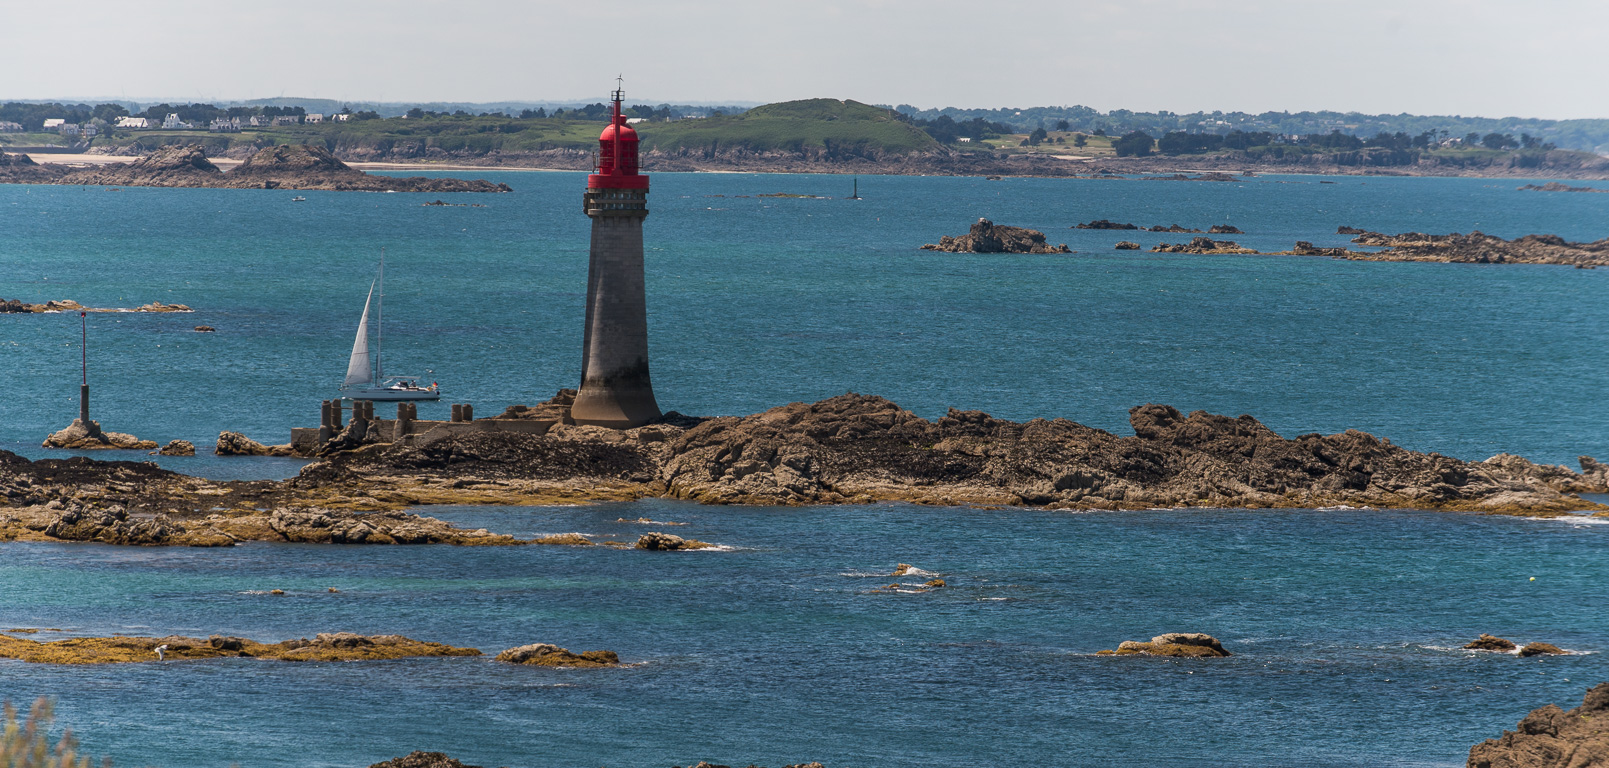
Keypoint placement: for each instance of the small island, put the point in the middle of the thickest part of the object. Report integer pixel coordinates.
(989, 237)
(286, 166)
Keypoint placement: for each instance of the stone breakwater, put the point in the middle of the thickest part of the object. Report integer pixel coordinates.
(847, 449)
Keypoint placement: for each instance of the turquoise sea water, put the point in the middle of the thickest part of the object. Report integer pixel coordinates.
(1345, 623)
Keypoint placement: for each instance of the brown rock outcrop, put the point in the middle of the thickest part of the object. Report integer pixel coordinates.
(170, 166)
(417, 759)
(79, 436)
(1305, 248)
(1203, 245)
(1174, 228)
(1185, 645)
(236, 444)
(337, 646)
(988, 237)
(1490, 643)
(309, 166)
(545, 655)
(1541, 649)
(1479, 248)
(1104, 224)
(179, 448)
(1127, 245)
(21, 169)
(1224, 229)
(1552, 738)
(655, 541)
(556, 408)
(68, 305)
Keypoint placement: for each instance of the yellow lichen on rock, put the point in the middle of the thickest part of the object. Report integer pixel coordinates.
(1185, 645)
(564, 540)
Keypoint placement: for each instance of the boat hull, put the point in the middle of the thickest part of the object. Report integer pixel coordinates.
(392, 395)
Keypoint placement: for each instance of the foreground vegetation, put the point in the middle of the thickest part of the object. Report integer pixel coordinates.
(25, 743)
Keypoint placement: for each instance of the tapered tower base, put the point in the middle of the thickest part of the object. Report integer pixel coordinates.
(616, 390)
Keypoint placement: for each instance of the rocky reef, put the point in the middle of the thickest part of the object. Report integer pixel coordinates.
(988, 237)
(847, 449)
(336, 646)
(1104, 224)
(1183, 645)
(856, 448)
(664, 542)
(1203, 245)
(1490, 643)
(80, 436)
(21, 169)
(1477, 248)
(1127, 245)
(286, 166)
(545, 655)
(1554, 186)
(68, 305)
(1552, 738)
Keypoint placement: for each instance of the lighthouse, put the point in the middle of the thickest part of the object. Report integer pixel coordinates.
(615, 388)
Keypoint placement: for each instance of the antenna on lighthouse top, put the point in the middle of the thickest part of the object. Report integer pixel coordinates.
(620, 87)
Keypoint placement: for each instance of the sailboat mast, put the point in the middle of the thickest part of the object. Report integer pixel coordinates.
(379, 325)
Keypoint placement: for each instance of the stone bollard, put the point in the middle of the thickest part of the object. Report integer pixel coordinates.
(469, 412)
(324, 430)
(458, 412)
(336, 407)
(404, 421)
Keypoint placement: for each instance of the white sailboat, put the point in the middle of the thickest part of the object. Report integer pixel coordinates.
(365, 377)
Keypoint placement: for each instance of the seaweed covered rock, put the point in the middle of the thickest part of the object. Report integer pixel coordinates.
(1552, 738)
(1186, 645)
(988, 237)
(545, 655)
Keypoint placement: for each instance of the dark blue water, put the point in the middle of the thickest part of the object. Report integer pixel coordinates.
(1345, 625)
(762, 301)
(1345, 629)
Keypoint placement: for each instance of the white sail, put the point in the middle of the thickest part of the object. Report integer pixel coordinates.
(358, 371)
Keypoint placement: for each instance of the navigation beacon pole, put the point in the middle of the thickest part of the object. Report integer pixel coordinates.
(615, 388)
(83, 350)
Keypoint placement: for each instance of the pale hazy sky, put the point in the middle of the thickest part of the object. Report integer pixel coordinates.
(1528, 58)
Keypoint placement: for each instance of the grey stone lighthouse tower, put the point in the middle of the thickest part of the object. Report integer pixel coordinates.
(615, 389)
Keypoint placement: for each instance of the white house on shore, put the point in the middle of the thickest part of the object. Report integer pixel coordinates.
(54, 123)
(313, 117)
(129, 121)
(225, 125)
(287, 120)
(172, 122)
(6, 126)
(341, 118)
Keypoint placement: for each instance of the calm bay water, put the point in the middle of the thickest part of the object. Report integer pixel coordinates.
(1345, 624)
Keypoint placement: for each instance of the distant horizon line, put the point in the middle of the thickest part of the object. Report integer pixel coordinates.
(746, 104)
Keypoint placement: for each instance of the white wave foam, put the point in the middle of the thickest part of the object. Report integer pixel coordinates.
(1574, 519)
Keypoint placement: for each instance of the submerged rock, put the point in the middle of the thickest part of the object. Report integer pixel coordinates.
(1188, 645)
(79, 436)
(1552, 738)
(988, 237)
(1490, 643)
(545, 655)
